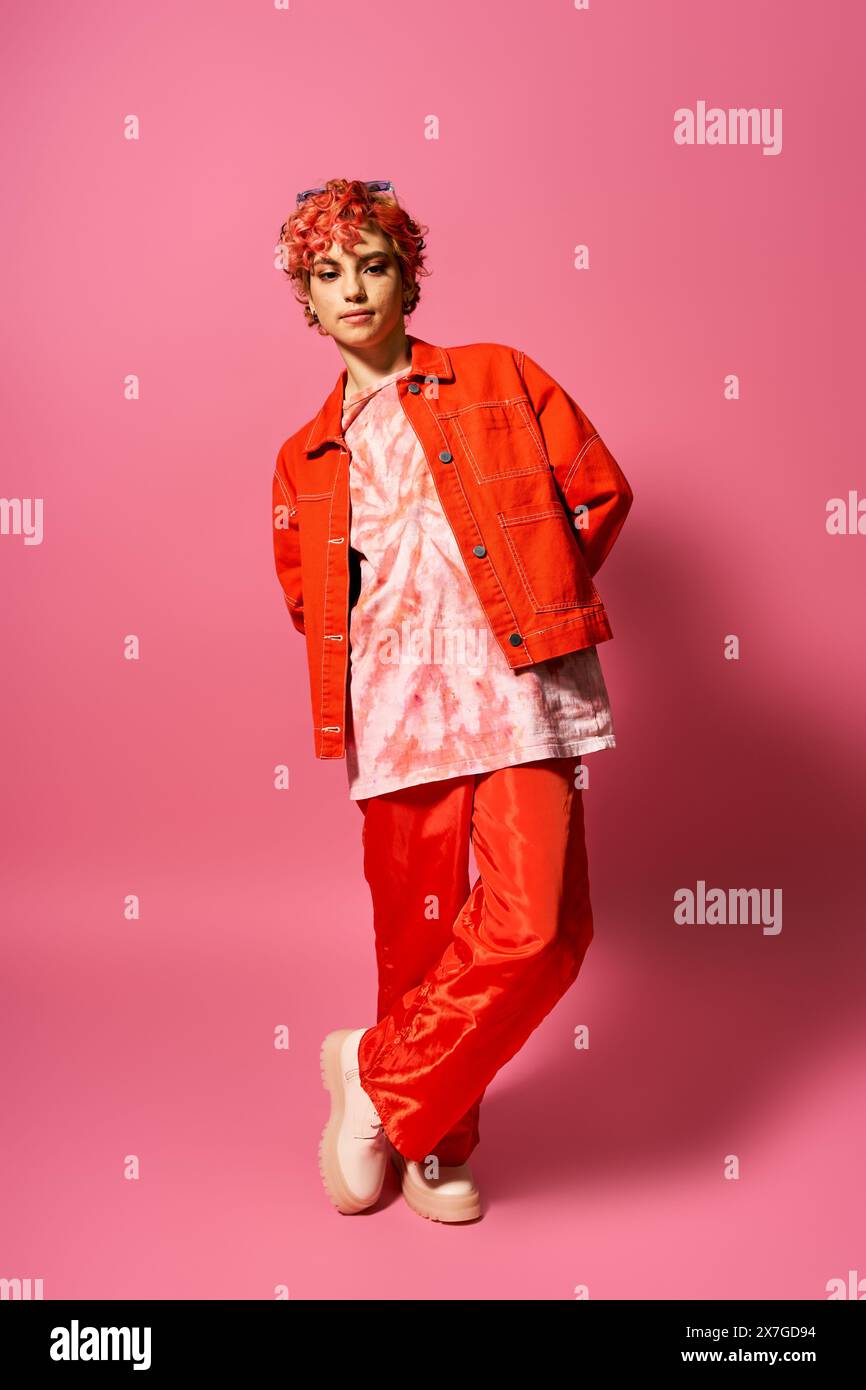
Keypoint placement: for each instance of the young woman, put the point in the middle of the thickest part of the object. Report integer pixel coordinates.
(437, 527)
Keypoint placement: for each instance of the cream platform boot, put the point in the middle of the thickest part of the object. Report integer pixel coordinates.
(353, 1150)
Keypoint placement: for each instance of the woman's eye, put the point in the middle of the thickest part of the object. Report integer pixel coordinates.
(379, 267)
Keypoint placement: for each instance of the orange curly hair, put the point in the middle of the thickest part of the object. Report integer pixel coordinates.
(338, 215)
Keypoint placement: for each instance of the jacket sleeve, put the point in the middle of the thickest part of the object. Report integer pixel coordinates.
(287, 545)
(586, 472)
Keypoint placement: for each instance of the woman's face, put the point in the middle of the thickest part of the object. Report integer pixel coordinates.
(364, 282)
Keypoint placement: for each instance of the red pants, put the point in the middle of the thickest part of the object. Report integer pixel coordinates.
(466, 976)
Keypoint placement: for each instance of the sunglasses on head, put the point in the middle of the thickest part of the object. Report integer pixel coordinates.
(376, 186)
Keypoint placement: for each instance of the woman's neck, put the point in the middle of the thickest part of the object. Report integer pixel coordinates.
(366, 366)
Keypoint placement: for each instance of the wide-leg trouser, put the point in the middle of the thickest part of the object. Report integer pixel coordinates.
(465, 976)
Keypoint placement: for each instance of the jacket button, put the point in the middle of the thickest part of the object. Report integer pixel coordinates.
(414, 387)
(479, 550)
(515, 639)
(445, 457)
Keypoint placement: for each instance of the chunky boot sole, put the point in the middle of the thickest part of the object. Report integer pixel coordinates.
(329, 1165)
(435, 1206)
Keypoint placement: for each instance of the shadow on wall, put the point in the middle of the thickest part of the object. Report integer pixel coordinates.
(730, 772)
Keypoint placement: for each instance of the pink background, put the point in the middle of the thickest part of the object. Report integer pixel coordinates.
(155, 777)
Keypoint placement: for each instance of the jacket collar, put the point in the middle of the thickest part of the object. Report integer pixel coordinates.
(428, 360)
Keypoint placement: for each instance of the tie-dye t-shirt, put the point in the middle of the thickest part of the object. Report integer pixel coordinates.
(431, 694)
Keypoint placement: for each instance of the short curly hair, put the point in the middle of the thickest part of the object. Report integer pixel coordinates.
(338, 215)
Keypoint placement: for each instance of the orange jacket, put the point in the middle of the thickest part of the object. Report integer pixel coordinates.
(534, 498)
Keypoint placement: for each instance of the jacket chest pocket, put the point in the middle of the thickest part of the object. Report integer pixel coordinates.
(315, 521)
(322, 519)
(548, 558)
(317, 499)
(318, 477)
(501, 439)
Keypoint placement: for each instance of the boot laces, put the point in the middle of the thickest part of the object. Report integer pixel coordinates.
(373, 1119)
